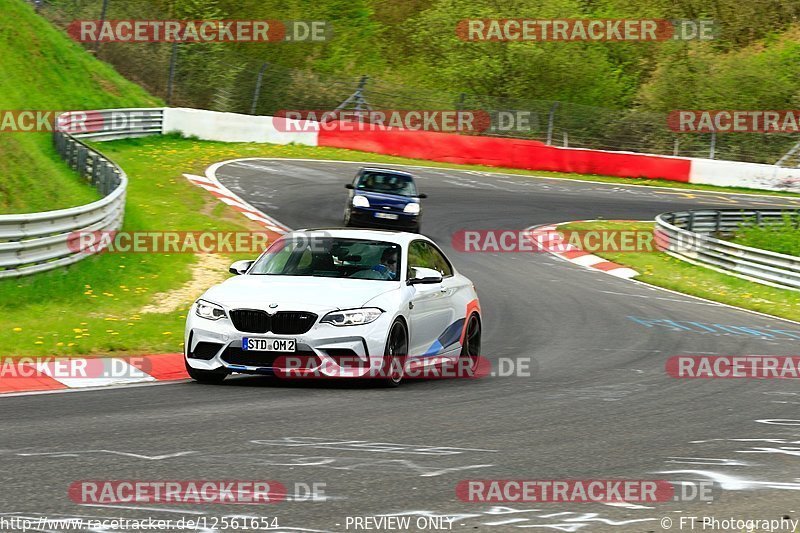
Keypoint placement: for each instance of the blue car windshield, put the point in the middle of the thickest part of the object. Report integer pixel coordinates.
(330, 257)
(388, 183)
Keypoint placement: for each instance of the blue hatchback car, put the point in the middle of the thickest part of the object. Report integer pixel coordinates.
(382, 197)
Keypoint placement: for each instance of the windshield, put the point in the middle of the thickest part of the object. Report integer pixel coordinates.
(330, 257)
(386, 182)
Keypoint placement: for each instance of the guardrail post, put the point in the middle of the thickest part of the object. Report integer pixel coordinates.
(690, 222)
(713, 148)
(95, 171)
(83, 152)
(718, 222)
(257, 92)
(550, 123)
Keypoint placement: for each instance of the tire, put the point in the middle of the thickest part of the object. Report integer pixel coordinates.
(394, 356)
(471, 348)
(211, 377)
(415, 229)
(346, 220)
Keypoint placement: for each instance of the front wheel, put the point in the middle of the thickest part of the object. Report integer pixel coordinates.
(394, 357)
(471, 349)
(213, 377)
(346, 220)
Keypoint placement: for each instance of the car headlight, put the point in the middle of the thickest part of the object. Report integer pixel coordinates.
(412, 208)
(353, 317)
(360, 201)
(208, 310)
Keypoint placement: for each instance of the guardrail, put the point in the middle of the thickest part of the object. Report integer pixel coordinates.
(36, 242)
(691, 236)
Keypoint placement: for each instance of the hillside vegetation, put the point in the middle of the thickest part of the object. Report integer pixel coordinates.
(751, 62)
(611, 95)
(42, 69)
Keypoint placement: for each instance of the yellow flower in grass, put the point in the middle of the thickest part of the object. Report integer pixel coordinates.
(17, 329)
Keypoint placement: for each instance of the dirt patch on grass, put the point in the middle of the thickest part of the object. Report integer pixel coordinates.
(209, 270)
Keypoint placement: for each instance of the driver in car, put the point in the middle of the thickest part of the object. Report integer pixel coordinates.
(388, 266)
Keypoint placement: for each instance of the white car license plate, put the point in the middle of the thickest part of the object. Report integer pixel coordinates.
(387, 216)
(257, 344)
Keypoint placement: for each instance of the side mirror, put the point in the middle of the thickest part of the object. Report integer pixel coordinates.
(349, 186)
(424, 276)
(422, 195)
(240, 267)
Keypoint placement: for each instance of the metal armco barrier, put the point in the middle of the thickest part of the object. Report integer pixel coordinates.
(691, 236)
(36, 242)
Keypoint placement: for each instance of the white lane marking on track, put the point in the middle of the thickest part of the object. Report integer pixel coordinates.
(728, 482)
(252, 166)
(461, 184)
(710, 461)
(713, 304)
(110, 452)
(626, 505)
(367, 446)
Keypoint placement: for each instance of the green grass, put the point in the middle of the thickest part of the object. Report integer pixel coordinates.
(660, 269)
(42, 69)
(783, 238)
(93, 306)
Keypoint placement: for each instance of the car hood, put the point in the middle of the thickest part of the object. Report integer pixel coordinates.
(296, 293)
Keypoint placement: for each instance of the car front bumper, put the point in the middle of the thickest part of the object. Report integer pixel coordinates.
(323, 351)
(362, 216)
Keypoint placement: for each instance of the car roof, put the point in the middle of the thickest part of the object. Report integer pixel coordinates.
(397, 237)
(388, 171)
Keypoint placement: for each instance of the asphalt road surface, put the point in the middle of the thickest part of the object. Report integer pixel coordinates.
(597, 404)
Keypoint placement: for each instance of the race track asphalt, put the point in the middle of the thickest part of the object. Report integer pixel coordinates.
(597, 404)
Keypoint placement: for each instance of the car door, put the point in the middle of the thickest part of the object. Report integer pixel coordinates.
(432, 311)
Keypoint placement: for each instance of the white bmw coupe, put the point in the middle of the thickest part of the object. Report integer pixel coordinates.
(336, 303)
